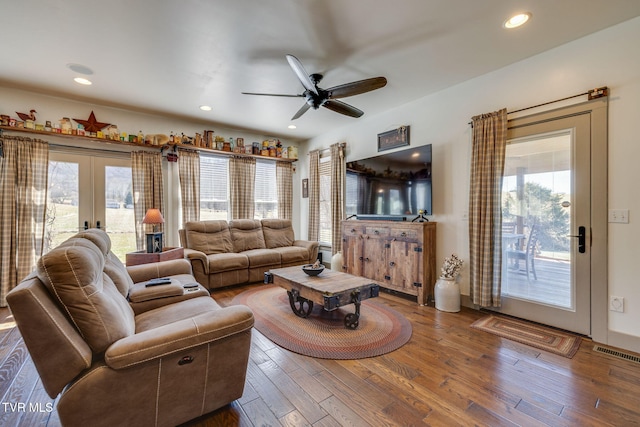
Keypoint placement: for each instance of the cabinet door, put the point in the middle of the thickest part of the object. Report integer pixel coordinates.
(374, 256)
(352, 246)
(404, 266)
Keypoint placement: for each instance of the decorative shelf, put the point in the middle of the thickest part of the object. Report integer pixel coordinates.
(170, 146)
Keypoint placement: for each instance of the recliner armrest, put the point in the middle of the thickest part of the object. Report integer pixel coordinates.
(311, 246)
(179, 336)
(307, 244)
(144, 272)
(197, 256)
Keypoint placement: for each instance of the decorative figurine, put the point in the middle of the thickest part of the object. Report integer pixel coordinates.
(30, 116)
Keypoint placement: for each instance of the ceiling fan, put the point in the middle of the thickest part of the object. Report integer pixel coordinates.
(317, 97)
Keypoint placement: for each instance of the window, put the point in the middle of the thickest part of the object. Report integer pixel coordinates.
(266, 190)
(324, 170)
(214, 188)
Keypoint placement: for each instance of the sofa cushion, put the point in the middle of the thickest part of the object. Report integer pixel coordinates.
(209, 237)
(73, 274)
(114, 268)
(227, 262)
(293, 255)
(262, 257)
(278, 233)
(246, 234)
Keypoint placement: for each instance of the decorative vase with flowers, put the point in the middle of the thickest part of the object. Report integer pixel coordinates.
(447, 289)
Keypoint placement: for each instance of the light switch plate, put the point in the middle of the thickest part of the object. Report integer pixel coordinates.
(619, 215)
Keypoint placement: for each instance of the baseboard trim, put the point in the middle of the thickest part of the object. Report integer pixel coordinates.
(623, 341)
(465, 301)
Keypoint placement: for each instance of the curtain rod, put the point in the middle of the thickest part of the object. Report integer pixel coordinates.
(322, 150)
(593, 94)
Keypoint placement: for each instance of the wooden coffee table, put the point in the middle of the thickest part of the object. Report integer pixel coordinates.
(331, 289)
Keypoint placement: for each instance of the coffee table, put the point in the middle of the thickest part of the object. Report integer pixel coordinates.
(331, 289)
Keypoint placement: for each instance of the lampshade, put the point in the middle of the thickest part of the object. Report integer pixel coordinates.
(153, 216)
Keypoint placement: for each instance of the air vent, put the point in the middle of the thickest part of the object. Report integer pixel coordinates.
(616, 353)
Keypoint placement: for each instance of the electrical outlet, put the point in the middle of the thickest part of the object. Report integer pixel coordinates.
(619, 215)
(616, 304)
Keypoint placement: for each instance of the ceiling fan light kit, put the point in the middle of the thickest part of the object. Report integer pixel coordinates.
(316, 97)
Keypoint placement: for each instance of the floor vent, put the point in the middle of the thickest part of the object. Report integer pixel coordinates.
(616, 353)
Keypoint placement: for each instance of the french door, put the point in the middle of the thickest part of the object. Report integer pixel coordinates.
(87, 191)
(547, 213)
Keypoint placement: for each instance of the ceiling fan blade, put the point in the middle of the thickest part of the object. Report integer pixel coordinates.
(302, 74)
(271, 94)
(356, 88)
(301, 111)
(342, 108)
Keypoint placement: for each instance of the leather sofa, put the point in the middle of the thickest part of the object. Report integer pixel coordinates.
(240, 251)
(170, 356)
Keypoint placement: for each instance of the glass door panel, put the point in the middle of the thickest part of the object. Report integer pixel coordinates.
(118, 210)
(537, 200)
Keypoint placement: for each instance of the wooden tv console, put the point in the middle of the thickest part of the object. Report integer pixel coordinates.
(397, 255)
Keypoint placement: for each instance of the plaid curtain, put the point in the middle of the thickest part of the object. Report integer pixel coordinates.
(189, 172)
(284, 178)
(338, 177)
(242, 173)
(314, 195)
(146, 171)
(24, 166)
(485, 244)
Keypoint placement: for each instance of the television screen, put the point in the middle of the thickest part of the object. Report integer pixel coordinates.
(392, 185)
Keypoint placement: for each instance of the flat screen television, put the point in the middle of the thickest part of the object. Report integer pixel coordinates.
(394, 186)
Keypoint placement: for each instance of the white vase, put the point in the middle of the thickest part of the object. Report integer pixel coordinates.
(447, 294)
(336, 262)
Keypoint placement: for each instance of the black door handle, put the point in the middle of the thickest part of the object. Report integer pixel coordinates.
(98, 225)
(582, 239)
(86, 225)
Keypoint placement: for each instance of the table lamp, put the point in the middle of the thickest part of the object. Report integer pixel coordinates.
(154, 240)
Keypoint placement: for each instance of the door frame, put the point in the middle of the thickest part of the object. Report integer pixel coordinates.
(598, 113)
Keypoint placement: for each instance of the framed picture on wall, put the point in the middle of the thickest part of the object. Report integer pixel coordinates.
(305, 188)
(393, 138)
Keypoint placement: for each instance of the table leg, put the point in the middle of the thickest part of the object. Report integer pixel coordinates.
(297, 304)
(352, 320)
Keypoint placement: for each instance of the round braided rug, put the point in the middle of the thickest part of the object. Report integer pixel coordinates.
(323, 334)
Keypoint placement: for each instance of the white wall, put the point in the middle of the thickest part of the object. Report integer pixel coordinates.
(54, 108)
(608, 58)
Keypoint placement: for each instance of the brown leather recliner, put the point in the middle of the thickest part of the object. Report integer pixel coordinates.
(177, 356)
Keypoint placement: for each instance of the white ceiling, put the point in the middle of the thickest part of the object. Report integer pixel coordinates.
(170, 56)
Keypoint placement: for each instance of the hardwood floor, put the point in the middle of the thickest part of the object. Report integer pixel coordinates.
(447, 374)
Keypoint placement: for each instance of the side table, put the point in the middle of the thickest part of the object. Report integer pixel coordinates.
(143, 257)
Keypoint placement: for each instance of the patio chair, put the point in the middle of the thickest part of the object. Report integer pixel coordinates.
(528, 254)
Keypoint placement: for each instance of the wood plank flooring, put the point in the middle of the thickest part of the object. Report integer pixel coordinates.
(447, 374)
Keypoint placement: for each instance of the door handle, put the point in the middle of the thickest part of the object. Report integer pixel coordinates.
(86, 225)
(582, 239)
(98, 225)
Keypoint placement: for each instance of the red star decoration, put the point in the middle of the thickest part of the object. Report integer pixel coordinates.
(91, 124)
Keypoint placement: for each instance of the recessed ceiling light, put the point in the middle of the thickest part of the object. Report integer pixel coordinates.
(82, 81)
(206, 108)
(80, 69)
(292, 127)
(517, 20)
